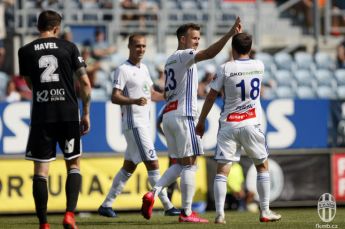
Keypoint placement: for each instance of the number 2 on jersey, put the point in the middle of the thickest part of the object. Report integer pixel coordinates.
(170, 81)
(50, 63)
(254, 91)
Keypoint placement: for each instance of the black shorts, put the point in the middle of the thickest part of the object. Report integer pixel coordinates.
(43, 139)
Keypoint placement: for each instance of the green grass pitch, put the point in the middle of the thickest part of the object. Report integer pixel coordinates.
(294, 218)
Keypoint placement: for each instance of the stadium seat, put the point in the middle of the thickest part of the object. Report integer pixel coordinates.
(285, 92)
(341, 92)
(304, 60)
(304, 78)
(284, 78)
(284, 61)
(325, 92)
(340, 76)
(267, 59)
(324, 61)
(305, 92)
(325, 78)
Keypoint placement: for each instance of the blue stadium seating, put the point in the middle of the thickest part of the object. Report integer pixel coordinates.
(304, 60)
(325, 92)
(341, 92)
(284, 78)
(305, 78)
(324, 61)
(267, 59)
(340, 76)
(284, 61)
(325, 77)
(285, 92)
(305, 92)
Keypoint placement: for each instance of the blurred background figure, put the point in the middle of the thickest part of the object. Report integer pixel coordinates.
(92, 65)
(341, 54)
(12, 95)
(67, 34)
(22, 88)
(137, 6)
(204, 88)
(101, 49)
(237, 197)
(159, 83)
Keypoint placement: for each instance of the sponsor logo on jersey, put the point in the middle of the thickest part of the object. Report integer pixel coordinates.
(56, 94)
(244, 107)
(146, 88)
(170, 106)
(171, 62)
(42, 96)
(238, 117)
(246, 73)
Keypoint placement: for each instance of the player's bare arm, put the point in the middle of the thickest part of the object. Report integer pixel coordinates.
(216, 47)
(211, 97)
(117, 97)
(85, 94)
(156, 96)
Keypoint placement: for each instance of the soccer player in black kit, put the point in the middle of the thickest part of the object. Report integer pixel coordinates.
(48, 65)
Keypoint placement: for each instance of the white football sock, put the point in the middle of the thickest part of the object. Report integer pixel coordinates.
(220, 189)
(188, 187)
(119, 183)
(263, 187)
(169, 176)
(153, 178)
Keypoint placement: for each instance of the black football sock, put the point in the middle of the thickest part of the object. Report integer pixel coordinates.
(73, 184)
(40, 194)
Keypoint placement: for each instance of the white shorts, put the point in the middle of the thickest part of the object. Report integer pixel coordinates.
(230, 141)
(139, 145)
(181, 138)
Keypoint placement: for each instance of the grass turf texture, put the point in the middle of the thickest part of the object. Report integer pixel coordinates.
(295, 218)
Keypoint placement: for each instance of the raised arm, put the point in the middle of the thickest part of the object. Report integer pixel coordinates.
(85, 94)
(216, 47)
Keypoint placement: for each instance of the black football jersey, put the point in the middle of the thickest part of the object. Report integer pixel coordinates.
(50, 64)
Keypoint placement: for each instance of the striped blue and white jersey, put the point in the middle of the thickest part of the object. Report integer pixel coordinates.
(181, 84)
(135, 82)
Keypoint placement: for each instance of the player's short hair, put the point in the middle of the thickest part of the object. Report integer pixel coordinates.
(133, 36)
(183, 29)
(242, 43)
(47, 20)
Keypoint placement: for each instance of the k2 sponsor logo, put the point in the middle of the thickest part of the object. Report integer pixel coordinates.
(42, 96)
